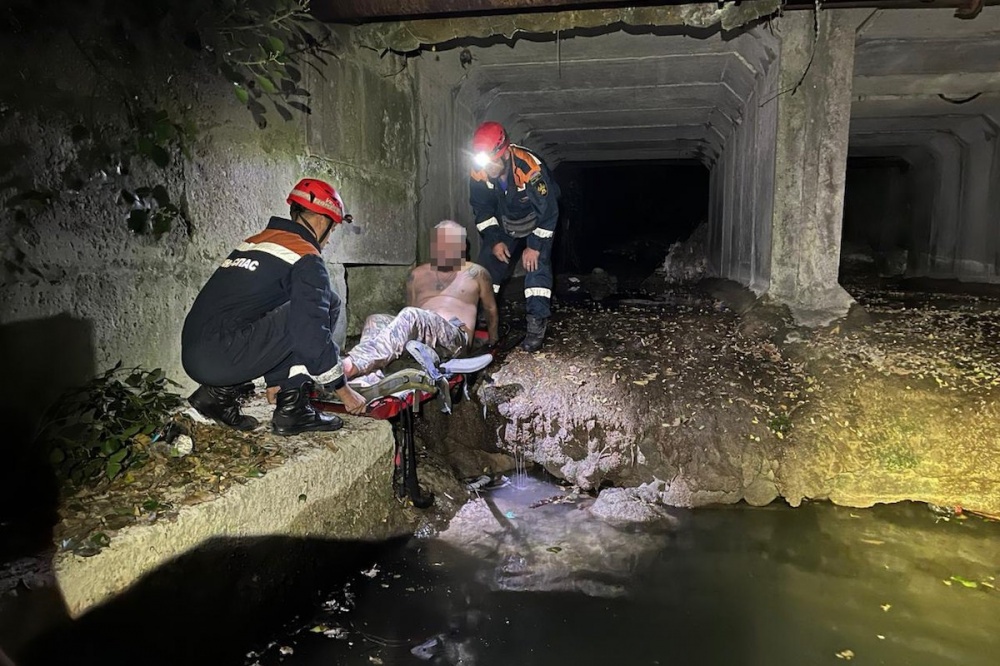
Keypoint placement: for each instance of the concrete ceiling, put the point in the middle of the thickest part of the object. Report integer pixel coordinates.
(619, 96)
(638, 95)
(906, 60)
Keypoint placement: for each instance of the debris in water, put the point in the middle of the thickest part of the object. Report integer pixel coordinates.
(846, 654)
(965, 582)
(426, 650)
(886, 607)
(286, 650)
(371, 573)
(554, 549)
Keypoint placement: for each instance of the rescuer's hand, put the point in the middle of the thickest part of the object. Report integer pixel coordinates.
(353, 402)
(530, 259)
(501, 252)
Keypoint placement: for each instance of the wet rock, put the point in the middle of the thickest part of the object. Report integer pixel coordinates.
(644, 504)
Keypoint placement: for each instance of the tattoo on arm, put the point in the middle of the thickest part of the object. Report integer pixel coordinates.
(475, 270)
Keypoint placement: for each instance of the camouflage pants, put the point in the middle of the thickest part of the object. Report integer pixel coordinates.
(384, 337)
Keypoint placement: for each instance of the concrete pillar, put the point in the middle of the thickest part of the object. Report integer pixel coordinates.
(811, 162)
(975, 259)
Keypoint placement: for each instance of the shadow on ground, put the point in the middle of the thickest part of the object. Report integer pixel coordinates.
(209, 606)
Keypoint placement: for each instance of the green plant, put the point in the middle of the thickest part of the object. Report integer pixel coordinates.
(137, 49)
(91, 431)
(780, 424)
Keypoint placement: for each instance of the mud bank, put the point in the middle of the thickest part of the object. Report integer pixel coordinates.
(724, 399)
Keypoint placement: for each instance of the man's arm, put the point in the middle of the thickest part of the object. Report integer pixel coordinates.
(486, 298)
(543, 191)
(313, 312)
(411, 289)
(484, 211)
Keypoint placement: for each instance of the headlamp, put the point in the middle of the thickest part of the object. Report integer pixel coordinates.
(481, 159)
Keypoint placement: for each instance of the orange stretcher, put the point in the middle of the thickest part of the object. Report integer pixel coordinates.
(435, 381)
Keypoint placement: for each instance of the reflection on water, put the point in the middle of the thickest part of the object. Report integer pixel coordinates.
(511, 584)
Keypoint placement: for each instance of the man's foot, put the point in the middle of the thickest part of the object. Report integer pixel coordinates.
(272, 394)
(295, 414)
(535, 335)
(222, 404)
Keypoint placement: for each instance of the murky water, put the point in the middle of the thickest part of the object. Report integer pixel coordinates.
(511, 584)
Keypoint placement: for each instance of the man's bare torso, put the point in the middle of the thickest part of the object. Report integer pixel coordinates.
(447, 293)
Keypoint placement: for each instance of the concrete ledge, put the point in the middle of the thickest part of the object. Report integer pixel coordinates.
(345, 477)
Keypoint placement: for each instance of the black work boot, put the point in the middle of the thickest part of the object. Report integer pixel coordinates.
(535, 333)
(295, 414)
(222, 404)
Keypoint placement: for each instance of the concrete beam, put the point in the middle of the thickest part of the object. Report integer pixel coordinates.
(408, 36)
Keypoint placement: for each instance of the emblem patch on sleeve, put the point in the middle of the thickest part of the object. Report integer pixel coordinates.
(540, 185)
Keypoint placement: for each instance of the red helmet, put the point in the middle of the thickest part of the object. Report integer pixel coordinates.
(319, 197)
(490, 138)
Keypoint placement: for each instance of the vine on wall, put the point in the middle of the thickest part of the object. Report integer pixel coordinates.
(258, 47)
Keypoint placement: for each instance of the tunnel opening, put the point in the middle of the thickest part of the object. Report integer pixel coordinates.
(878, 217)
(622, 217)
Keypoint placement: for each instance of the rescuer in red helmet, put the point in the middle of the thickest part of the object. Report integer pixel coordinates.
(513, 197)
(269, 311)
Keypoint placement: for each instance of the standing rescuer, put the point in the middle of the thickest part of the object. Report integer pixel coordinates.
(269, 311)
(513, 197)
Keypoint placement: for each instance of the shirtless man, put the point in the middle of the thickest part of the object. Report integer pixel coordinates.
(441, 297)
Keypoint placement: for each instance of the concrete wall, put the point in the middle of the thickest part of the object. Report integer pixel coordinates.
(448, 123)
(741, 191)
(78, 274)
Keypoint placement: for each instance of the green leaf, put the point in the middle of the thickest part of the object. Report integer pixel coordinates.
(161, 195)
(276, 45)
(57, 456)
(162, 222)
(118, 456)
(112, 470)
(283, 112)
(965, 582)
(267, 84)
(109, 446)
(241, 93)
(299, 106)
(160, 156)
(138, 221)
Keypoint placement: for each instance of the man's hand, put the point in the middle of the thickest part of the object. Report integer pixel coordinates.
(530, 259)
(353, 402)
(501, 252)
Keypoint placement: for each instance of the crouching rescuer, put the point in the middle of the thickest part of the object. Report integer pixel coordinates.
(269, 311)
(513, 197)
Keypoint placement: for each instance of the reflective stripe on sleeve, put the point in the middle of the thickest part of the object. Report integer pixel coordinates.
(491, 222)
(543, 233)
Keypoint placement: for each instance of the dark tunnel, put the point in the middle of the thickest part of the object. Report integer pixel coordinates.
(623, 217)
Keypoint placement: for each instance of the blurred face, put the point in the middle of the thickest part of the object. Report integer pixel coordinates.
(492, 166)
(447, 247)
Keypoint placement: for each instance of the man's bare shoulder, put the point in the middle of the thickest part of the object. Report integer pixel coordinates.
(473, 270)
(418, 270)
